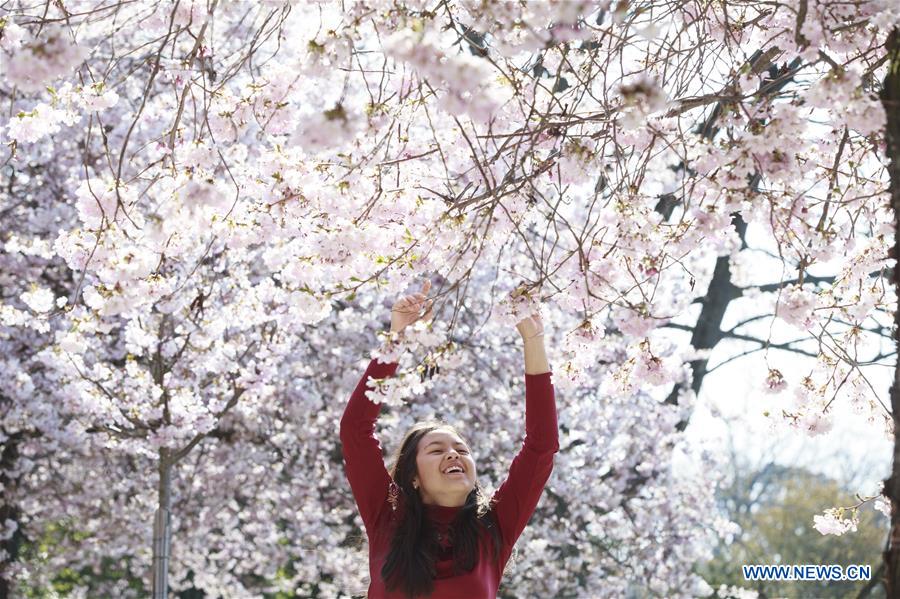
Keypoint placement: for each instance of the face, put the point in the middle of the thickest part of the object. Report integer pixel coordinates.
(439, 451)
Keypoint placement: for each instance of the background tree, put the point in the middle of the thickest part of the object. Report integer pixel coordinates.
(773, 507)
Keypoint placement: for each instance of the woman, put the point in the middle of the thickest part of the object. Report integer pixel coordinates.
(432, 533)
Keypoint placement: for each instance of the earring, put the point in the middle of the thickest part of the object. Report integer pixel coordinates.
(415, 485)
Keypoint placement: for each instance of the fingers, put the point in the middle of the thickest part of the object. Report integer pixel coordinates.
(419, 298)
(420, 295)
(426, 287)
(427, 307)
(414, 303)
(406, 305)
(429, 313)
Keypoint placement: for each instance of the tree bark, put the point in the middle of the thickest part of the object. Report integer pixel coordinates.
(161, 527)
(9, 455)
(890, 99)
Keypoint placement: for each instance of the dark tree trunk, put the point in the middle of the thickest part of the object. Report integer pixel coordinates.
(8, 457)
(890, 98)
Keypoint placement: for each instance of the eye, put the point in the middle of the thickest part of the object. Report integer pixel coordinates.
(435, 451)
(465, 451)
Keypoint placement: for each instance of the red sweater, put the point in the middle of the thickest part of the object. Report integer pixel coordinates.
(514, 501)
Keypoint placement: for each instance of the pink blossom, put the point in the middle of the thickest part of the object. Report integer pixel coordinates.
(797, 306)
(327, 129)
(464, 78)
(97, 98)
(31, 127)
(39, 300)
(815, 422)
(36, 62)
(834, 523)
(640, 97)
(96, 199)
(883, 505)
(775, 382)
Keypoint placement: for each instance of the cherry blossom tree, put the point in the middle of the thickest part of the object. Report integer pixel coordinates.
(208, 205)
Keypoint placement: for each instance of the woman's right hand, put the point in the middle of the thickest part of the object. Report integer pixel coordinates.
(408, 309)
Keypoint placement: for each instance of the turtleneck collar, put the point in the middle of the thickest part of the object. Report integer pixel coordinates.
(441, 513)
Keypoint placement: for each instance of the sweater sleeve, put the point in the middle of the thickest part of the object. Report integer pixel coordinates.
(363, 461)
(515, 499)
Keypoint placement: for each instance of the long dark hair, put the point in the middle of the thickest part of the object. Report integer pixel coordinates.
(410, 563)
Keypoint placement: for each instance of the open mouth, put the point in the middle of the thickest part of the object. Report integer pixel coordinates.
(454, 471)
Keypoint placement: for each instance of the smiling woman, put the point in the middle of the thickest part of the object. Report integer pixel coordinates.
(432, 531)
(439, 529)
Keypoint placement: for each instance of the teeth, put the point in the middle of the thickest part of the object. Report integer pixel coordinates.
(453, 469)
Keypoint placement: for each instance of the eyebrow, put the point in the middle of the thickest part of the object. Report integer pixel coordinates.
(455, 443)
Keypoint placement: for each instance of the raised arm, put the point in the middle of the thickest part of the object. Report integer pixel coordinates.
(363, 460)
(515, 500)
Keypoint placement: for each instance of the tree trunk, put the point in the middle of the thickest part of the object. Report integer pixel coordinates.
(8, 458)
(161, 528)
(890, 98)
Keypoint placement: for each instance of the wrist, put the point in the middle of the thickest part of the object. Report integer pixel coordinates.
(533, 337)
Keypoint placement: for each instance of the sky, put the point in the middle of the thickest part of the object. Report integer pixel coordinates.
(732, 402)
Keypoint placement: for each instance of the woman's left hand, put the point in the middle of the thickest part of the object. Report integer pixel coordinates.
(531, 326)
